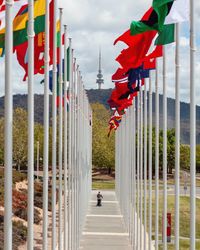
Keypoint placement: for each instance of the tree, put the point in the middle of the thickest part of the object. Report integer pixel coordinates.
(2, 141)
(103, 150)
(20, 137)
(198, 158)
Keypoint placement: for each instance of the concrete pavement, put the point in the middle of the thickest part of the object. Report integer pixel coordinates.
(104, 228)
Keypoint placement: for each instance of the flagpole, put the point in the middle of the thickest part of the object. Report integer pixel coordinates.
(141, 167)
(70, 147)
(177, 136)
(138, 170)
(134, 171)
(145, 164)
(150, 161)
(74, 153)
(164, 152)
(30, 124)
(60, 146)
(65, 143)
(8, 135)
(192, 129)
(157, 163)
(46, 131)
(54, 128)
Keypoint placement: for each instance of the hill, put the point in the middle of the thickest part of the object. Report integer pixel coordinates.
(101, 96)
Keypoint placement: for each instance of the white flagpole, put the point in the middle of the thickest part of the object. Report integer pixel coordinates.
(138, 170)
(46, 131)
(192, 130)
(134, 174)
(133, 123)
(164, 152)
(150, 162)
(157, 164)
(65, 143)
(38, 159)
(70, 146)
(141, 168)
(30, 123)
(54, 128)
(8, 143)
(177, 135)
(60, 146)
(145, 164)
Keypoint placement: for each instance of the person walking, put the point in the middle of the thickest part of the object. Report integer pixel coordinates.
(99, 199)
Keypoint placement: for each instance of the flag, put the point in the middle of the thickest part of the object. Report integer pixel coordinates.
(39, 43)
(166, 36)
(154, 18)
(127, 38)
(133, 56)
(179, 12)
(20, 23)
(114, 122)
(17, 5)
(150, 64)
(120, 76)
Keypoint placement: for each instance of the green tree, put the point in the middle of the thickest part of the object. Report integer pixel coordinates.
(185, 157)
(20, 137)
(103, 150)
(198, 158)
(2, 141)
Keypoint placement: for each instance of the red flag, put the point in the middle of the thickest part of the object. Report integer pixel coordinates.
(133, 56)
(120, 75)
(132, 40)
(150, 64)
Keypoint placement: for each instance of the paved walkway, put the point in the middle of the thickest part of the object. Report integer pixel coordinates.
(104, 229)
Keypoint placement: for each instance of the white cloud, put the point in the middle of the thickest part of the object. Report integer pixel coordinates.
(94, 23)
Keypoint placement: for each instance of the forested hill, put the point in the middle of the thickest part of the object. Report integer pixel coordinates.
(101, 96)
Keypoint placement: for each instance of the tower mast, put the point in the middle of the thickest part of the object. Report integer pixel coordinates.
(100, 79)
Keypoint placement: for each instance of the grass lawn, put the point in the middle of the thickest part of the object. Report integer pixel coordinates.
(172, 182)
(103, 185)
(184, 216)
(184, 245)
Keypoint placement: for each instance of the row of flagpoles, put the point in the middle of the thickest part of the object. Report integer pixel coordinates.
(73, 153)
(131, 152)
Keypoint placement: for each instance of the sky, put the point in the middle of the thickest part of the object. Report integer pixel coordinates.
(97, 23)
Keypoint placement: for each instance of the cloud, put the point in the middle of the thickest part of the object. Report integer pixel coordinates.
(94, 23)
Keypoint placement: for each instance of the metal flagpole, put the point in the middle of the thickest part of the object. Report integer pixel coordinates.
(73, 151)
(134, 174)
(164, 152)
(54, 128)
(177, 135)
(46, 131)
(157, 163)
(138, 170)
(65, 143)
(60, 146)
(141, 168)
(192, 130)
(8, 114)
(145, 164)
(150, 162)
(30, 123)
(70, 146)
(38, 159)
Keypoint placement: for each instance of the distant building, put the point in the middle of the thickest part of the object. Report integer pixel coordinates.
(100, 79)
